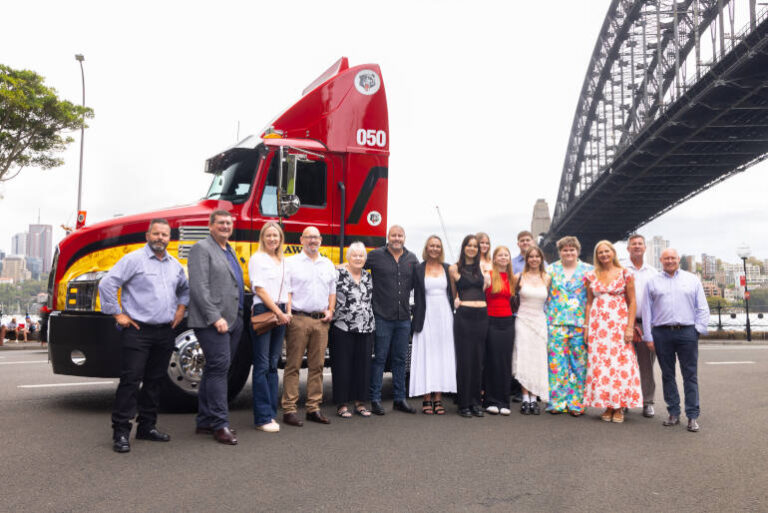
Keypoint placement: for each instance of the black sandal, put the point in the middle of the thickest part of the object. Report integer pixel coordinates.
(426, 408)
(361, 410)
(343, 412)
(439, 410)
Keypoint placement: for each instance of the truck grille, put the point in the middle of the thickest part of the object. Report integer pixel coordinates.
(188, 236)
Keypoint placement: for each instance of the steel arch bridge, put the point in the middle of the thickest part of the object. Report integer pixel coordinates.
(675, 100)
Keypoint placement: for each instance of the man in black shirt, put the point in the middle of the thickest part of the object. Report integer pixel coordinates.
(392, 271)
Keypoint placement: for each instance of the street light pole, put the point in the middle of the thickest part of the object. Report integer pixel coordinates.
(743, 252)
(80, 58)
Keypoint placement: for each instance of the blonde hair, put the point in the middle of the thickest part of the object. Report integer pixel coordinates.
(442, 249)
(598, 266)
(279, 249)
(569, 240)
(497, 284)
(480, 236)
(527, 268)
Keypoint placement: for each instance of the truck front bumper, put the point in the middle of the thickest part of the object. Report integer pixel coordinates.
(84, 344)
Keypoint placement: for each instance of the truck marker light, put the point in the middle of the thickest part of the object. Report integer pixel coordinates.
(73, 291)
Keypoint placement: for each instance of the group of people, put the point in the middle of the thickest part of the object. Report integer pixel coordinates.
(569, 334)
(19, 331)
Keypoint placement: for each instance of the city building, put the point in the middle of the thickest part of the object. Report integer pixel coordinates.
(15, 268)
(40, 244)
(19, 244)
(711, 289)
(729, 294)
(34, 266)
(708, 266)
(688, 263)
(655, 245)
(540, 221)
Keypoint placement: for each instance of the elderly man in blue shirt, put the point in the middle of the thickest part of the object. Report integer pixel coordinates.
(154, 297)
(675, 313)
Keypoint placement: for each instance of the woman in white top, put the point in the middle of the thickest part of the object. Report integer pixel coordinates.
(270, 285)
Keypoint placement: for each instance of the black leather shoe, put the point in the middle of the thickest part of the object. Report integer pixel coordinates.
(316, 416)
(693, 426)
(377, 408)
(648, 411)
(152, 434)
(534, 405)
(672, 420)
(225, 436)
(465, 412)
(205, 430)
(525, 408)
(476, 411)
(403, 406)
(121, 444)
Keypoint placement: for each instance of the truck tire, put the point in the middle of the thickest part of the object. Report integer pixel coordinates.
(185, 368)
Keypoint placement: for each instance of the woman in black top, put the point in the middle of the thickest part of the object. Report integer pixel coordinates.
(470, 326)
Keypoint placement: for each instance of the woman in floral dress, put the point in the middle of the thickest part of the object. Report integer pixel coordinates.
(566, 346)
(613, 377)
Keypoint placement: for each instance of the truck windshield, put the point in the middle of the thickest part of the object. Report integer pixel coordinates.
(233, 183)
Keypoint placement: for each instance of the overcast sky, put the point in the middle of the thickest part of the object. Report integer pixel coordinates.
(481, 100)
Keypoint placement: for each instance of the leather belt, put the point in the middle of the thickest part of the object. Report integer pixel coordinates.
(153, 326)
(313, 315)
(675, 326)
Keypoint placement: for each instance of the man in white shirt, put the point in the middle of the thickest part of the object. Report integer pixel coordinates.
(642, 272)
(313, 285)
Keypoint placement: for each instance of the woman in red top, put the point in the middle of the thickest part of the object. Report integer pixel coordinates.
(497, 371)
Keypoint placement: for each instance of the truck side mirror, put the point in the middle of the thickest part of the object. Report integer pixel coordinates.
(288, 201)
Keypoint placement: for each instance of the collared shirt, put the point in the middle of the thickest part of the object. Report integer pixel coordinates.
(152, 288)
(392, 283)
(312, 282)
(270, 276)
(567, 302)
(235, 266)
(674, 300)
(641, 275)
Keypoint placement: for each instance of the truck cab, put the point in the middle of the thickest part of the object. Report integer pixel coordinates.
(323, 162)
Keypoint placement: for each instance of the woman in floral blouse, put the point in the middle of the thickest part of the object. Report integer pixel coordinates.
(351, 337)
(567, 349)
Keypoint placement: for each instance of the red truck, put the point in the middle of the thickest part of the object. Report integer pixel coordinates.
(323, 162)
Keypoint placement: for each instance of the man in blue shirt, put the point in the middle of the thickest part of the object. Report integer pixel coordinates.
(675, 313)
(155, 294)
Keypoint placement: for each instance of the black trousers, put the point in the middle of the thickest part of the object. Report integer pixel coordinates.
(144, 361)
(497, 371)
(470, 327)
(350, 364)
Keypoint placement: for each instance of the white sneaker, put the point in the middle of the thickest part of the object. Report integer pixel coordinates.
(271, 427)
(504, 411)
(493, 410)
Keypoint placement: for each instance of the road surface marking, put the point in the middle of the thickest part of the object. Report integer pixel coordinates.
(84, 383)
(24, 361)
(728, 363)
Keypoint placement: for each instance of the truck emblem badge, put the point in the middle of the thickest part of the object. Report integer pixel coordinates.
(367, 82)
(374, 218)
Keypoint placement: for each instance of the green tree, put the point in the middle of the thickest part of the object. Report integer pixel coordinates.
(713, 301)
(32, 119)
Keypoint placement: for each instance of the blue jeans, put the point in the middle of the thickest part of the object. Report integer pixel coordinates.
(266, 353)
(391, 336)
(682, 344)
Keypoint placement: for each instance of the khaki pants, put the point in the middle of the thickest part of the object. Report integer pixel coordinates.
(304, 334)
(645, 359)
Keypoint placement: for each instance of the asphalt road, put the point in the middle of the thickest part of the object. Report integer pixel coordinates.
(56, 456)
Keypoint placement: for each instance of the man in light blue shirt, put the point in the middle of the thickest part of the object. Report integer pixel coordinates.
(675, 313)
(154, 297)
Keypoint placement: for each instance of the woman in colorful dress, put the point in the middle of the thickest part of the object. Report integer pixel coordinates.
(269, 277)
(433, 358)
(351, 335)
(497, 371)
(613, 377)
(470, 326)
(484, 242)
(567, 348)
(529, 359)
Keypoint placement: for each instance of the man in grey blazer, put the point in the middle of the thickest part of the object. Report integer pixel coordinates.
(216, 315)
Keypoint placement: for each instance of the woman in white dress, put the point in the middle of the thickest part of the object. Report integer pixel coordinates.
(433, 361)
(529, 361)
